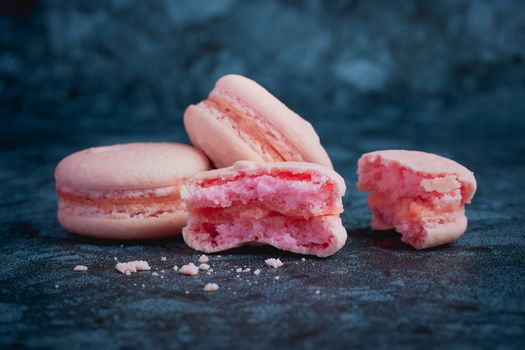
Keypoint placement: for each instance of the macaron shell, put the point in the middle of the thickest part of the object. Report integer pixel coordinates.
(297, 130)
(129, 166)
(218, 141)
(125, 229)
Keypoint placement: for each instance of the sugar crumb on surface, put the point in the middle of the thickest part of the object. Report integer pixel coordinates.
(176, 268)
(163, 258)
(275, 263)
(210, 287)
(257, 272)
(204, 267)
(238, 270)
(133, 266)
(203, 259)
(80, 268)
(189, 269)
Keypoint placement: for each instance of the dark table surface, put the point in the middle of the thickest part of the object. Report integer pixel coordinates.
(446, 88)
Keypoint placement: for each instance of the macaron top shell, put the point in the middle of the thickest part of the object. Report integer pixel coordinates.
(426, 164)
(129, 166)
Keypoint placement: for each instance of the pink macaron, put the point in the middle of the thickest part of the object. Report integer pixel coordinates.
(241, 120)
(126, 191)
(420, 195)
(293, 206)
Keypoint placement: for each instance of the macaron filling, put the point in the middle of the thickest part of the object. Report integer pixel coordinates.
(255, 130)
(115, 204)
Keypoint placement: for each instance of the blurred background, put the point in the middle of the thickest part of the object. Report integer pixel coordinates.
(396, 74)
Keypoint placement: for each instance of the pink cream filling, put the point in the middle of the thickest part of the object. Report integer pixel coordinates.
(251, 127)
(116, 204)
(410, 202)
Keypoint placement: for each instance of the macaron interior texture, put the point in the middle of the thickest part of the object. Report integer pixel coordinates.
(420, 195)
(241, 120)
(128, 191)
(293, 206)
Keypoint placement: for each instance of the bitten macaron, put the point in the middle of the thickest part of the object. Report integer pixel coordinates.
(241, 120)
(128, 191)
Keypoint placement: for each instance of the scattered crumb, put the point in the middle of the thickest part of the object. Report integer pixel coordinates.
(187, 292)
(127, 273)
(161, 276)
(303, 259)
(317, 292)
(210, 270)
(210, 287)
(238, 276)
(143, 285)
(257, 272)
(163, 258)
(175, 267)
(122, 246)
(238, 270)
(218, 256)
(56, 285)
(246, 270)
(133, 266)
(162, 271)
(80, 268)
(204, 267)
(189, 269)
(275, 263)
(277, 277)
(115, 258)
(154, 274)
(203, 259)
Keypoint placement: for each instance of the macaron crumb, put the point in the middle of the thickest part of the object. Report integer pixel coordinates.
(204, 267)
(154, 274)
(246, 269)
(257, 272)
(163, 258)
(189, 269)
(277, 277)
(80, 268)
(318, 292)
(275, 263)
(203, 259)
(303, 259)
(211, 287)
(238, 270)
(175, 268)
(133, 266)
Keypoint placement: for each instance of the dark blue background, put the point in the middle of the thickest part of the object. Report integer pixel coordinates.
(440, 76)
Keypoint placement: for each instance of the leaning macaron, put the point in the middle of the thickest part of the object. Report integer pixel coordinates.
(241, 120)
(128, 191)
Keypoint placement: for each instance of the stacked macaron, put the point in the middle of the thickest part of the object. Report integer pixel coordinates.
(274, 185)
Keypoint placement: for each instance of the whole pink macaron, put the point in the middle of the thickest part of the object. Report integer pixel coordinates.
(128, 191)
(241, 120)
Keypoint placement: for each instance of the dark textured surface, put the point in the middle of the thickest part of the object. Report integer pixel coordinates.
(445, 77)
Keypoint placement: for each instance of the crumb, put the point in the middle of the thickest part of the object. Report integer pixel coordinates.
(133, 266)
(275, 263)
(134, 284)
(254, 282)
(80, 268)
(317, 292)
(247, 270)
(210, 287)
(218, 256)
(277, 277)
(161, 276)
(203, 259)
(162, 271)
(238, 270)
(122, 246)
(210, 270)
(257, 272)
(163, 258)
(175, 267)
(143, 285)
(56, 285)
(204, 267)
(189, 269)
(127, 273)
(154, 274)
(115, 258)
(303, 259)
(187, 292)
